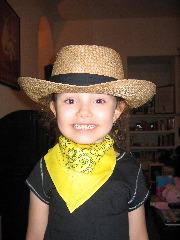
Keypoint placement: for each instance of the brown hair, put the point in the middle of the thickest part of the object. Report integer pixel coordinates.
(120, 128)
(118, 131)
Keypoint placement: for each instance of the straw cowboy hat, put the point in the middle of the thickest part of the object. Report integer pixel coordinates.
(89, 69)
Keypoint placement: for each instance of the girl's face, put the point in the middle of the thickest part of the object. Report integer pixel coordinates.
(85, 118)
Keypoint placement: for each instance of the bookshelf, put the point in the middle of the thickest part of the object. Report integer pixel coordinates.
(153, 129)
(152, 132)
(157, 139)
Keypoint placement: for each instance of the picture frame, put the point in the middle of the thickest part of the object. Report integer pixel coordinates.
(9, 45)
(155, 169)
(164, 100)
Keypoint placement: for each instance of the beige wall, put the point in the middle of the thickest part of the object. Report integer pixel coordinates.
(130, 37)
(30, 13)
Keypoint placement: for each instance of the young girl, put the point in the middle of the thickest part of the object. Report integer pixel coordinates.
(87, 186)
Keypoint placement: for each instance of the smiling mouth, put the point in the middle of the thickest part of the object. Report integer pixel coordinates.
(84, 127)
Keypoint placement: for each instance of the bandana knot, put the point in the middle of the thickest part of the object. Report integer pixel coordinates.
(82, 158)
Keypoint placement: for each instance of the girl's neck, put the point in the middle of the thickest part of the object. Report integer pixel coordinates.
(117, 154)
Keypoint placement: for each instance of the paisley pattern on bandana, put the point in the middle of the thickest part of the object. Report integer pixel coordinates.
(82, 158)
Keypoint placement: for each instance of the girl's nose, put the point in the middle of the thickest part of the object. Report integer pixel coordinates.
(84, 111)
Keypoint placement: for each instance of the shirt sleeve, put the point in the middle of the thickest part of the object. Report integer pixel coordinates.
(140, 192)
(36, 182)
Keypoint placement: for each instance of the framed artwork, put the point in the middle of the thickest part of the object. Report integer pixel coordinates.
(9, 45)
(164, 100)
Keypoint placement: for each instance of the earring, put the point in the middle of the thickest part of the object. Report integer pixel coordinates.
(116, 131)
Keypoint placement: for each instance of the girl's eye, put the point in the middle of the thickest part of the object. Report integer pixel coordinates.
(70, 101)
(100, 101)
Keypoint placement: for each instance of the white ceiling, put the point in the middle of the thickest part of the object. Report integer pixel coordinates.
(111, 9)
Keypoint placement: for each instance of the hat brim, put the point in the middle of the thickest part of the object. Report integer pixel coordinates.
(134, 92)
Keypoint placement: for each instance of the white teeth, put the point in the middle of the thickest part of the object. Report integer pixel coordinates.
(84, 127)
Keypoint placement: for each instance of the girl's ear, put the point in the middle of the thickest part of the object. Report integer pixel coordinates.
(52, 107)
(119, 109)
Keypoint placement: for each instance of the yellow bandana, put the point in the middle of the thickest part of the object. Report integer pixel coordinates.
(78, 171)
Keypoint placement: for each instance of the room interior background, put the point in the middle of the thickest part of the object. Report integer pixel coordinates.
(133, 28)
(140, 29)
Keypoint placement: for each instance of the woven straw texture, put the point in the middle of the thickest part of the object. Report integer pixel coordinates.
(91, 59)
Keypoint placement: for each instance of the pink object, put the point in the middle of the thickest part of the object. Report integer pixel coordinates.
(170, 194)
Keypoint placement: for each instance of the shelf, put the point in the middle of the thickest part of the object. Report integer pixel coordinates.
(155, 131)
(151, 147)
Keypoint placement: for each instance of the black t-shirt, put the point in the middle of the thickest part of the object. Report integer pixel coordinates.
(104, 216)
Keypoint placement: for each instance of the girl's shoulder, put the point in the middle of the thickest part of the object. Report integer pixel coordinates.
(127, 165)
(127, 159)
(129, 172)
